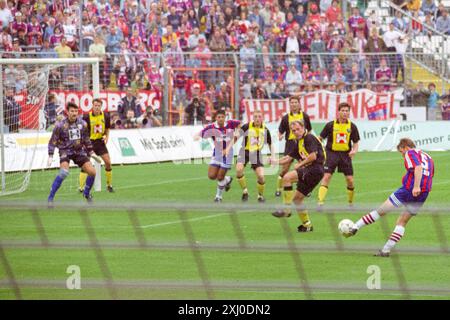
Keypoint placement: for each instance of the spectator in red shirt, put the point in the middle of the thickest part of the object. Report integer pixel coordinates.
(194, 85)
(123, 25)
(202, 54)
(314, 15)
(333, 12)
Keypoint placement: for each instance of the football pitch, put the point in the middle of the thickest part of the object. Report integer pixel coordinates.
(242, 255)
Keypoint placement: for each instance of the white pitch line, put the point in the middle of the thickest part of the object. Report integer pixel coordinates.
(372, 292)
(156, 225)
(160, 183)
(124, 187)
(181, 221)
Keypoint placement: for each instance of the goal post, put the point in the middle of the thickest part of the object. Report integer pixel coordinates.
(24, 88)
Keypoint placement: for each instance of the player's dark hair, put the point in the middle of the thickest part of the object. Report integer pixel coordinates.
(220, 111)
(97, 100)
(406, 142)
(71, 105)
(343, 105)
(294, 98)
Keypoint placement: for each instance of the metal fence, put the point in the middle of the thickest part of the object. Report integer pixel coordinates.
(240, 241)
(429, 47)
(220, 80)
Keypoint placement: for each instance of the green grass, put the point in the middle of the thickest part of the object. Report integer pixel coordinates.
(377, 175)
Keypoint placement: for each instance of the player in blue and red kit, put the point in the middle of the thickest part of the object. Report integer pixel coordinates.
(413, 193)
(223, 134)
(71, 137)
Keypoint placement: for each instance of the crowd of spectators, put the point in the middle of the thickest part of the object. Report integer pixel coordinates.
(284, 46)
(427, 12)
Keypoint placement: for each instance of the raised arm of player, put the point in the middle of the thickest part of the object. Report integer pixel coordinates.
(201, 134)
(236, 136)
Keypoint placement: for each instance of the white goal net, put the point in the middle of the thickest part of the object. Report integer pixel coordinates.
(33, 95)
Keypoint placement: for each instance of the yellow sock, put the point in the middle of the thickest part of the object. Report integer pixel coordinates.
(242, 182)
(83, 177)
(304, 217)
(288, 196)
(260, 188)
(322, 194)
(350, 193)
(279, 183)
(108, 178)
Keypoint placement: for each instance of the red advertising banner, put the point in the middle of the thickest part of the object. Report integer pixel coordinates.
(322, 105)
(31, 105)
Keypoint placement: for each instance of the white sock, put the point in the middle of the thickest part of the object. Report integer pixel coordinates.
(227, 179)
(395, 237)
(220, 187)
(369, 218)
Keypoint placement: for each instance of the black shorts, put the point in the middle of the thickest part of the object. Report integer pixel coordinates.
(255, 158)
(289, 147)
(99, 147)
(78, 159)
(308, 178)
(341, 160)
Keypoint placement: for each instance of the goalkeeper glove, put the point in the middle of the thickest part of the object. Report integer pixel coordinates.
(96, 158)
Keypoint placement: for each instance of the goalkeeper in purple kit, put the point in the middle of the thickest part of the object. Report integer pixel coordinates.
(71, 137)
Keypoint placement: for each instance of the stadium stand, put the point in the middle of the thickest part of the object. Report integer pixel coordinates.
(238, 49)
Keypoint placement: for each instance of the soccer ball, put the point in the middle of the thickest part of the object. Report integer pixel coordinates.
(345, 226)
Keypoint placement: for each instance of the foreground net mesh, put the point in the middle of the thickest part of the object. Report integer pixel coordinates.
(294, 250)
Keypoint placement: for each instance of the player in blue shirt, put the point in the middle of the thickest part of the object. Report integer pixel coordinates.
(416, 185)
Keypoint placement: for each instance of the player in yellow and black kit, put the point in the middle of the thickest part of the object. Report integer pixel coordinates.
(99, 123)
(255, 135)
(307, 173)
(342, 144)
(295, 114)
